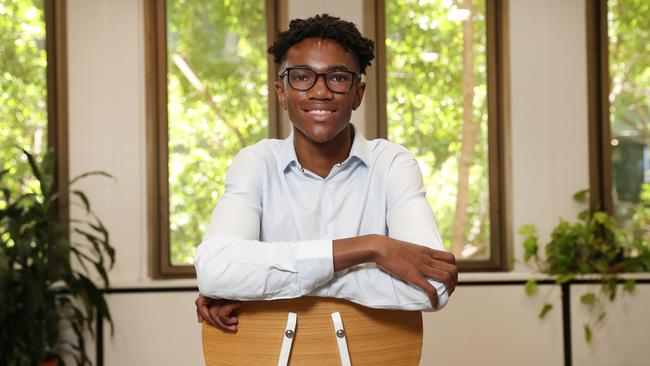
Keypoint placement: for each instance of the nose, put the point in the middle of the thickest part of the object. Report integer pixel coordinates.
(320, 89)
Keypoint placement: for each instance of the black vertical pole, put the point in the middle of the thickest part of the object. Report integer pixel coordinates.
(99, 343)
(566, 322)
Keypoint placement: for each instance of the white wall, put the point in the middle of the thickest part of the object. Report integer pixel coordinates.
(622, 339)
(107, 121)
(490, 325)
(548, 71)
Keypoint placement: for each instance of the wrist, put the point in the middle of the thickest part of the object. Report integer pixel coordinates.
(377, 247)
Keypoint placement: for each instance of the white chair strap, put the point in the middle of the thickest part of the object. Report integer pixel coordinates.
(341, 340)
(287, 340)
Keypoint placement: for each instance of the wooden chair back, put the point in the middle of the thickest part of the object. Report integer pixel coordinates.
(374, 337)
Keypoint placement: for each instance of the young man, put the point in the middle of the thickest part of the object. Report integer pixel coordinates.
(324, 212)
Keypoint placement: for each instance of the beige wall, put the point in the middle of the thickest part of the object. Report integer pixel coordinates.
(487, 325)
(549, 111)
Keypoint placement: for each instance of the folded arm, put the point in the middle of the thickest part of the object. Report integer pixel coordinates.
(232, 263)
(420, 276)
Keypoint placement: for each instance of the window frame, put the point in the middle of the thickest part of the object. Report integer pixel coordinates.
(600, 150)
(57, 97)
(155, 24)
(376, 124)
(498, 94)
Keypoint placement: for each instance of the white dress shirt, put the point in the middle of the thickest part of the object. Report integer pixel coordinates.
(271, 233)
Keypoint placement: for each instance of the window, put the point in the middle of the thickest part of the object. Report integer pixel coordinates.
(208, 98)
(444, 95)
(32, 84)
(208, 92)
(619, 109)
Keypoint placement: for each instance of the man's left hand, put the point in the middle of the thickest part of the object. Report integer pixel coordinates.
(218, 312)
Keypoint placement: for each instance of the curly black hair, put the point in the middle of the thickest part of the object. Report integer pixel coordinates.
(328, 27)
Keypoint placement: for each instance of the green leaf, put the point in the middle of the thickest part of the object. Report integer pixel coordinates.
(99, 266)
(588, 298)
(564, 278)
(82, 258)
(611, 288)
(88, 174)
(584, 215)
(545, 309)
(588, 334)
(34, 166)
(600, 217)
(629, 286)
(581, 196)
(82, 196)
(601, 265)
(530, 248)
(47, 170)
(527, 230)
(531, 287)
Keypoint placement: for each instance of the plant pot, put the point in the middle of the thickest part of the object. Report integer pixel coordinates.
(52, 362)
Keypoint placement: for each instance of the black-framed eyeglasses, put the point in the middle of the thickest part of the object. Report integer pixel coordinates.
(303, 79)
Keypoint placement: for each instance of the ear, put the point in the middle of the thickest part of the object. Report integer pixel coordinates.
(358, 95)
(280, 91)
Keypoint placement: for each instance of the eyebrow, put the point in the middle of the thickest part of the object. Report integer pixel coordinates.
(330, 68)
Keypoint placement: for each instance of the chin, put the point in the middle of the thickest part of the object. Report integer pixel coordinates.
(315, 131)
(320, 136)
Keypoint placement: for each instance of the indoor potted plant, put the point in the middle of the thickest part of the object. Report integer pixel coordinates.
(594, 246)
(48, 298)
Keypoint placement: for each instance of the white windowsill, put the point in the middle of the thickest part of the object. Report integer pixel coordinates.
(462, 277)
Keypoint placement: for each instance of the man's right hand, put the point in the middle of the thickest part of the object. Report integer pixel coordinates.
(415, 264)
(218, 312)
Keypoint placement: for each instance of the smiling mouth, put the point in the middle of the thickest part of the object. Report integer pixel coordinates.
(320, 112)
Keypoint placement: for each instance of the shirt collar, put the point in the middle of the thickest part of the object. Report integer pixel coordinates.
(360, 149)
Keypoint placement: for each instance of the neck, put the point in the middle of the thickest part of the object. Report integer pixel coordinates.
(320, 158)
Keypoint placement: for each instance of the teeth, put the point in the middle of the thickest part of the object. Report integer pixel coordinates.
(319, 111)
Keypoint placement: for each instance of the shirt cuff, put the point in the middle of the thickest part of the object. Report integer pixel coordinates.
(443, 297)
(315, 264)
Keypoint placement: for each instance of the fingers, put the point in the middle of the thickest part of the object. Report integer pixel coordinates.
(217, 312)
(416, 264)
(202, 307)
(221, 314)
(226, 313)
(213, 313)
(447, 278)
(443, 256)
(443, 272)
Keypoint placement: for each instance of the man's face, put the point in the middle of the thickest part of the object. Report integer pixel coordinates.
(318, 113)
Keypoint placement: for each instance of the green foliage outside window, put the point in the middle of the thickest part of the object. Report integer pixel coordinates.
(23, 92)
(427, 42)
(217, 91)
(217, 104)
(629, 68)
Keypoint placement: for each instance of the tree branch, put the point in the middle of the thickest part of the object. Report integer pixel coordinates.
(191, 77)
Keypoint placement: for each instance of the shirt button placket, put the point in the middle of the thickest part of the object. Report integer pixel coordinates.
(329, 197)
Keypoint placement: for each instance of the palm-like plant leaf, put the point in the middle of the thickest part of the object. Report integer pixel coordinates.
(40, 289)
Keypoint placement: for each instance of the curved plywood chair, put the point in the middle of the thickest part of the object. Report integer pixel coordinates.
(374, 337)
